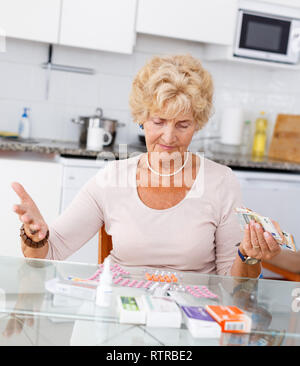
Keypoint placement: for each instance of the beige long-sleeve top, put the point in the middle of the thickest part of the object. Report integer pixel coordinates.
(197, 234)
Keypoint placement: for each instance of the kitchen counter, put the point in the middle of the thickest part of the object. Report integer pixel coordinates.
(46, 146)
(237, 161)
(71, 148)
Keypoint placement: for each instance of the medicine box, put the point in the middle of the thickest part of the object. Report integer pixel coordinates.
(162, 312)
(231, 318)
(72, 289)
(199, 323)
(131, 310)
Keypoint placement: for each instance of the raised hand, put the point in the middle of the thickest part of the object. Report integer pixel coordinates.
(259, 244)
(29, 214)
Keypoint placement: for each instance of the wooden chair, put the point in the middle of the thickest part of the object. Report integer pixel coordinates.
(287, 275)
(104, 246)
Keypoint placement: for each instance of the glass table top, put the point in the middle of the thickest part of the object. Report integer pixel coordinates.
(30, 313)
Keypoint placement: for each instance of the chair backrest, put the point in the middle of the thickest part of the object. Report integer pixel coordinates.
(105, 245)
(287, 275)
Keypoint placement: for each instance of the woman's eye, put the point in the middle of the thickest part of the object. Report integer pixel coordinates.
(183, 126)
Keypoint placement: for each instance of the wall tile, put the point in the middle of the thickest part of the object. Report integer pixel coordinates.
(115, 63)
(26, 52)
(10, 114)
(162, 45)
(16, 81)
(82, 89)
(23, 83)
(114, 91)
(47, 120)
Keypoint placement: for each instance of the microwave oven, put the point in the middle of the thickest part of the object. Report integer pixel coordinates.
(267, 37)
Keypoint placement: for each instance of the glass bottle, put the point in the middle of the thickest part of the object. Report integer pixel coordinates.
(246, 138)
(260, 137)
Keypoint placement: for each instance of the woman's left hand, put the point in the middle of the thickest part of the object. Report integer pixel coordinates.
(258, 243)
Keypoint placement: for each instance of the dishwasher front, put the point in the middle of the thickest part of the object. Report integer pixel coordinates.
(276, 195)
(76, 172)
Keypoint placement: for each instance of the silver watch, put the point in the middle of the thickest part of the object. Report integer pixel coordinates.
(248, 260)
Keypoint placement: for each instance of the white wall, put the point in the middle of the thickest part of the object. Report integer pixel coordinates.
(23, 83)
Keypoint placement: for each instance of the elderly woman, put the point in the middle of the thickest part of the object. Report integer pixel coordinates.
(164, 208)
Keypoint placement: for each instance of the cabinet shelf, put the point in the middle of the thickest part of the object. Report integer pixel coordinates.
(219, 53)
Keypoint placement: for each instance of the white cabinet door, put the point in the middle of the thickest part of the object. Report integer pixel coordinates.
(107, 25)
(286, 3)
(42, 180)
(36, 20)
(210, 21)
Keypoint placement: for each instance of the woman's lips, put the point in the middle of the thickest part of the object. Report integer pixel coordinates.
(166, 147)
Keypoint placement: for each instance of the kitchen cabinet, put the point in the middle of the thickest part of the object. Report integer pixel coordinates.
(289, 3)
(107, 25)
(210, 21)
(41, 179)
(36, 20)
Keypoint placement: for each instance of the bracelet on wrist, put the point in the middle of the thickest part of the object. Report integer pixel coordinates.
(29, 242)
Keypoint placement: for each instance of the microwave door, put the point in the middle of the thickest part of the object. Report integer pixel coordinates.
(263, 37)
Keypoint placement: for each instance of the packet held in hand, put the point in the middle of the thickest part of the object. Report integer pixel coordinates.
(245, 215)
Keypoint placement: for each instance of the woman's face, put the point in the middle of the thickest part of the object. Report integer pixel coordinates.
(169, 135)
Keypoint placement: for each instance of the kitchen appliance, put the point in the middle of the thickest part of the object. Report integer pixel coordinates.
(109, 125)
(76, 172)
(285, 143)
(267, 32)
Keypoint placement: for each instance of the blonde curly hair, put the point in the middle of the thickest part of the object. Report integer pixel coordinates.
(175, 84)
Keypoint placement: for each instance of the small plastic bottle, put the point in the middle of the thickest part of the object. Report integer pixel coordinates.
(246, 138)
(24, 125)
(104, 289)
(260, 137)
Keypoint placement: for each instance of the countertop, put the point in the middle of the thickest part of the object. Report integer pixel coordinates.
(71, 148)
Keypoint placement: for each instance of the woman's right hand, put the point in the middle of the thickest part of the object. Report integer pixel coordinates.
(29, 214)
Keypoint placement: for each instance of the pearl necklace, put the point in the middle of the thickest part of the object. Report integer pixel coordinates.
(168, 175)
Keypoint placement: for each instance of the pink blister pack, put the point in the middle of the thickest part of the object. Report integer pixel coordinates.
(122, 277)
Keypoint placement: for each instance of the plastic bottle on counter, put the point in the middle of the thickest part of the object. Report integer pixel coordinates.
(260, 137)
(104, 289)
(246, 138)
(24, 125)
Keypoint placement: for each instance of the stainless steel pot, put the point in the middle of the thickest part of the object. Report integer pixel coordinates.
(109, 125)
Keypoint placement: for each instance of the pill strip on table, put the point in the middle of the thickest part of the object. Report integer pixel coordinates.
(195, 291)
(117, 280)
(95, 275)
(132, 283)
(139, 284)
(124, 282)
(211, 294)
(147, 284)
